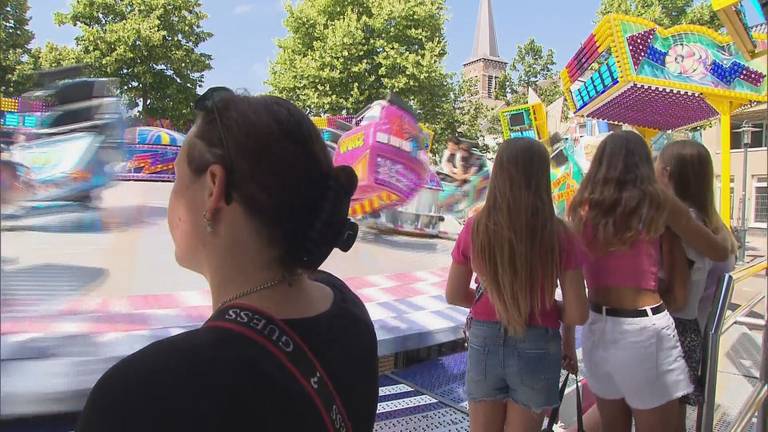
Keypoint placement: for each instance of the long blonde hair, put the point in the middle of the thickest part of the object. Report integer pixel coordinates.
(515, 235)
(619, 198)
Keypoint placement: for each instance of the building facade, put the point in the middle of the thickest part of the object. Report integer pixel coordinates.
(485, 64)
(757, 166)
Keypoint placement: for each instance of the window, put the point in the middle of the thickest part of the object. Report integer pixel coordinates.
(491, 86)
(760, 198)
(758, 138)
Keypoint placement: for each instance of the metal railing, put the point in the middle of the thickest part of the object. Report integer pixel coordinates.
(717, 324)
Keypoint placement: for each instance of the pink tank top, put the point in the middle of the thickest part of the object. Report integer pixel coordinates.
(636, 266)
(549, 316)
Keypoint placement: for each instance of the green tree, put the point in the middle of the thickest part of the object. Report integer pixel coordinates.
(465, 116)
(702, 14)
(340, 55)
(502, 87)
(49, 56)
(151, 46)
(532, 67)
(665, 13)
(15, 38)
(52, 56)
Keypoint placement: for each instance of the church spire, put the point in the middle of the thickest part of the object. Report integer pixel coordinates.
(485, 65)
(485, 46)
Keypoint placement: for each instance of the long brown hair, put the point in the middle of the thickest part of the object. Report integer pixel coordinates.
(619, 198)
(692, 175)
(515, 235)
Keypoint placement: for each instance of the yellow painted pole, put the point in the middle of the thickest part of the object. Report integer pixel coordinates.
(648, 134)
(724, 109)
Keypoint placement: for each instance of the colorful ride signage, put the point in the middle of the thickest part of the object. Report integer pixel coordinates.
(151, 154)
(524, 121)
(633, 72)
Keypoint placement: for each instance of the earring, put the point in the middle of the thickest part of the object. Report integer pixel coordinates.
(208, 222)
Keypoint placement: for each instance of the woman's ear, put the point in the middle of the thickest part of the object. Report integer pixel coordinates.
(216, 187)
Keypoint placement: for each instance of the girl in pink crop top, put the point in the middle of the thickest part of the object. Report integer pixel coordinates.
(632, 356)
(519, 249)
(635, 266)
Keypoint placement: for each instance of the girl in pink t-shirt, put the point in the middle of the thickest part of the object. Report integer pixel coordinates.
(519, 250)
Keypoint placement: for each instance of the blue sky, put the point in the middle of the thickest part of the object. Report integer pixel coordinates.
(245, 31)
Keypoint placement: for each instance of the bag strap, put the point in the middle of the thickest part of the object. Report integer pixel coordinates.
(554, 414)
(291, 351)
(579, 409)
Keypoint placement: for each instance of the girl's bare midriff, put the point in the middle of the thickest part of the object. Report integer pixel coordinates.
(623, 297)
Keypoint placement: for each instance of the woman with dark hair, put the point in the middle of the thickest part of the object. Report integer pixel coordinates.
(256, 208)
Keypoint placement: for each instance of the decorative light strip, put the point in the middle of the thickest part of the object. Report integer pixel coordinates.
(598, 83)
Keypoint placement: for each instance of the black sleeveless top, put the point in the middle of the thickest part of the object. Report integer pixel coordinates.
(214, 379)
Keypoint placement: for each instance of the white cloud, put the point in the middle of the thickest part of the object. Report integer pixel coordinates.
(243, 8)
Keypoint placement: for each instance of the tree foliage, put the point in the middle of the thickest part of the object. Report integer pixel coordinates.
(532, 67)
(151, 46)
(340, 55)
(15, 39)
(467, 116)
(666, 13)
(52, 56)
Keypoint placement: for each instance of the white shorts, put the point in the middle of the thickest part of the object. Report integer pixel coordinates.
(635, 359)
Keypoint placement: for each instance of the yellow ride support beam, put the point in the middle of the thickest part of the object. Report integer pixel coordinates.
(648, 134)
(724, 108)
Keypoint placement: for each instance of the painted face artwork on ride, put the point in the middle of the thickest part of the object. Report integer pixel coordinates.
(387, 151)
(630, 71)
(151, 154)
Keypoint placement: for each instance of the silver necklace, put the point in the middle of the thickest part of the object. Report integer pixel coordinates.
(250, 291)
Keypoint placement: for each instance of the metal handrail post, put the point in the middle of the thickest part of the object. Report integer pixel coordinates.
(705, 419)
(762, 413)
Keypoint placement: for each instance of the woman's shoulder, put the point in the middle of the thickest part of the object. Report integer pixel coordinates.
(133, 381)
(345, 301)
(157, 358)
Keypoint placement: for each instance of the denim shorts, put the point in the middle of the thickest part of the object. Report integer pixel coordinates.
(524, 369)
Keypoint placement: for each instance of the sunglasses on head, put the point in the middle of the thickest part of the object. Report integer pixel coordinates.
(206, 103)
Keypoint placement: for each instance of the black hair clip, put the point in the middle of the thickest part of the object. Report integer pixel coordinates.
(348, 236)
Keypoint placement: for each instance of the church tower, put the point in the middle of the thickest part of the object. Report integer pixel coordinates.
(485, 64)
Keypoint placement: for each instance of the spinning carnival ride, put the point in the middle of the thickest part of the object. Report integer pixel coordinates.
(388, 150)
(151, 154)
(74, 148)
